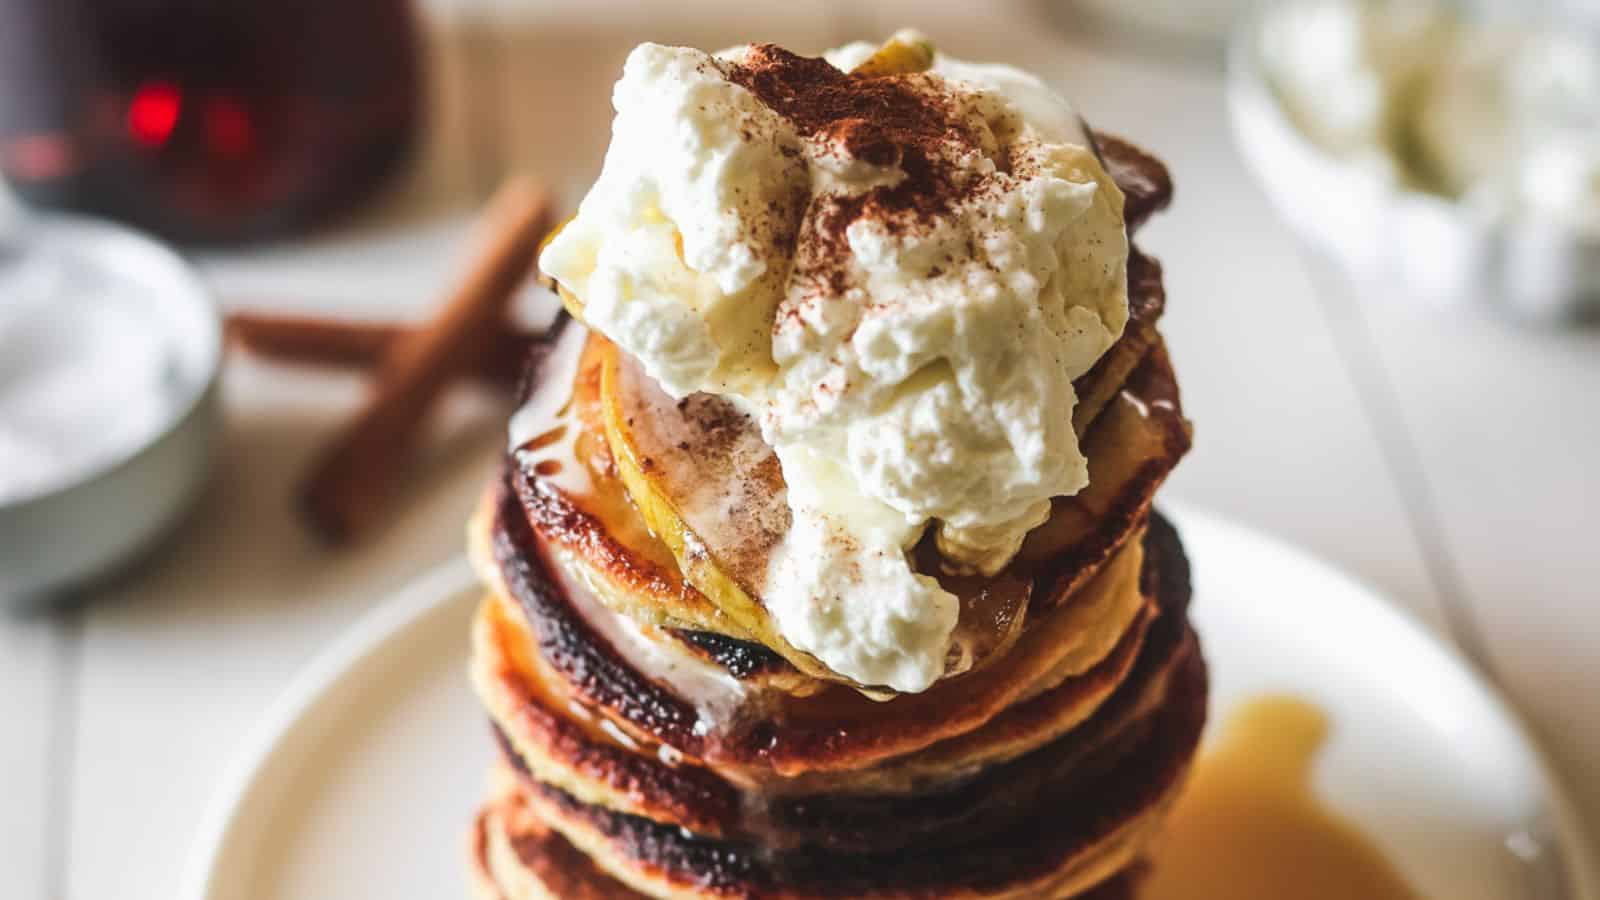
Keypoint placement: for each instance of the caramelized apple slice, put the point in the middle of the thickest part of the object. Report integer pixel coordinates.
(906, 53)
(708, 486)
(586, 515)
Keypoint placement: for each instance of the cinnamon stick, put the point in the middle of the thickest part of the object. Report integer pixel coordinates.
(350, 481)
(349, 344)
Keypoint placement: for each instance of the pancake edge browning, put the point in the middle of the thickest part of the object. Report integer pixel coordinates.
(1151, 395)
(602, 678)
(599, 770)
(510, 857)
(951, 806)
(1102, 831)
(606, 772)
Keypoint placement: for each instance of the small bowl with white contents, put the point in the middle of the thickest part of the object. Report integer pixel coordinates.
(110, 350)
(1431, 150)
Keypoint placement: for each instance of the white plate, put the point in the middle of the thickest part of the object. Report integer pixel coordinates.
(362, 781)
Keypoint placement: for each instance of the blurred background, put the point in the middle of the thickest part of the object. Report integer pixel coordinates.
(1381, 264)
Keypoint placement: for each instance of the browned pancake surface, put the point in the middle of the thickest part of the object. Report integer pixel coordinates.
(1146, 185)
(1065, 824)
(835, 730)
(924, 798)
(547, 867)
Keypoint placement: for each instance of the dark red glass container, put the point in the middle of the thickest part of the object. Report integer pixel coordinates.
(205, 120)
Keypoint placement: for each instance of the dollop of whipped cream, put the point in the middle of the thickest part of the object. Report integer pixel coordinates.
(898, 276)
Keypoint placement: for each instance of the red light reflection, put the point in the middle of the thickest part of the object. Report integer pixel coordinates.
(153, 112)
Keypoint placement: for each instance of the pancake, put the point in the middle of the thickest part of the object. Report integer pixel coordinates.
(906, 801)
(1025, 726)
(1071, 840)
(1132, 448)
(566, 744)
(513, 855)
(1146, 189)
(1146, 301)
(784, 735)
(1144, 180)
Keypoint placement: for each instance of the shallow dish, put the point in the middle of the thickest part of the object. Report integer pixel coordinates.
(73, 532)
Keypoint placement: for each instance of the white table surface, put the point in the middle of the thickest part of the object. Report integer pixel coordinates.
(1448, 462)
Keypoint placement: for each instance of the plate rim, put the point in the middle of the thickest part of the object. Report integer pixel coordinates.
(446, 582)
(398, 611)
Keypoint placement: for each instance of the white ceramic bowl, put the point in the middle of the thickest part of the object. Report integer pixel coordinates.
(71, 534)
(1397, 240)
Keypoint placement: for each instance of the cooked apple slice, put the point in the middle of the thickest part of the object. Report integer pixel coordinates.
(585, 515)
(906, 53)
(707, 486)
(712, 490)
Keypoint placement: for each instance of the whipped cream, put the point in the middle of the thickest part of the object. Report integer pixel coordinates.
(1504, 118)
(899, 278)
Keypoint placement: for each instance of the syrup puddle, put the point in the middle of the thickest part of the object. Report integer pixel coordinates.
(1250, 825)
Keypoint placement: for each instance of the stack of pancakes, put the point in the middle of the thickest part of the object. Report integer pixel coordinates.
(658, 739)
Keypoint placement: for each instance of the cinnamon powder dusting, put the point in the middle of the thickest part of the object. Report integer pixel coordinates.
(909, 121)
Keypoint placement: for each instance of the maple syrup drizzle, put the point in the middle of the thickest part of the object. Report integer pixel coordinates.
(1250, 825)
